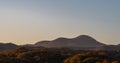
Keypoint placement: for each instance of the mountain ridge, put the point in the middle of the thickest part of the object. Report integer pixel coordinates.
(82, 42)
(7, 46)
(79, 41)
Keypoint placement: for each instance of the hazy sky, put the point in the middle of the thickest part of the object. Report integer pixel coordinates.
(29, 21)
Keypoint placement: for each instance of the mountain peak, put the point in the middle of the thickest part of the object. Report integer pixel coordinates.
(80, 41)
(85, 37)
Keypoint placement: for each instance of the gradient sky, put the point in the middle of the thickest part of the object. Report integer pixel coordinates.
(29, 21)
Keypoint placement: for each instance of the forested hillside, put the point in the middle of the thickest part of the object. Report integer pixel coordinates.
(52, 55)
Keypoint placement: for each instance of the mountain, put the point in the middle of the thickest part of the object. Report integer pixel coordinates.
(7, 46)
(82, 41)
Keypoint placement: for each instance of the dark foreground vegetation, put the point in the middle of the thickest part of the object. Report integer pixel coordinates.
(44, 55)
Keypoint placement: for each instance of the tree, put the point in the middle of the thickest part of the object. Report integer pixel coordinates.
(115, 62)
(105, 61)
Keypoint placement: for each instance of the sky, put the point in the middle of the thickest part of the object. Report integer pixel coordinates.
(30, 21)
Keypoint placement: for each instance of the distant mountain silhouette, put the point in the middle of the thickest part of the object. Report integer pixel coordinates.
(82, 41)
(108, 47)
(7, 46)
